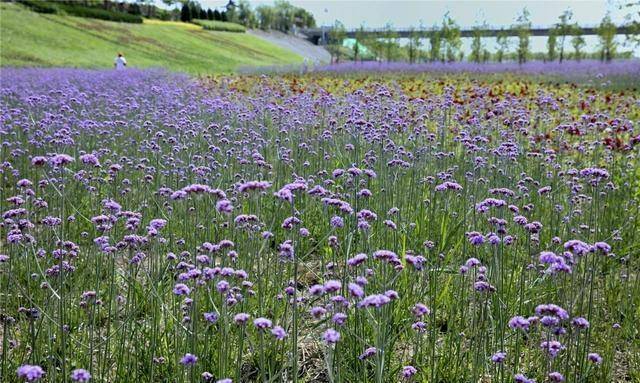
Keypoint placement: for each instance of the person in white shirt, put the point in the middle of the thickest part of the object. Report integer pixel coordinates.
(120, 62)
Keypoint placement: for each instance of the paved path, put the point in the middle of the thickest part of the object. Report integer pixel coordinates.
(313, 53)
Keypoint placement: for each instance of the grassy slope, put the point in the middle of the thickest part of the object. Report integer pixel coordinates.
(32, 39)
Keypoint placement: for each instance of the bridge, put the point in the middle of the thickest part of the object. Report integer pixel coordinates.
(320, 36)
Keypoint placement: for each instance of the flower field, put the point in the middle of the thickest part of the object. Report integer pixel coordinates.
(319, 228)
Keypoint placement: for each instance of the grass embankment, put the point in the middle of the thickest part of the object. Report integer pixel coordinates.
(223, 26)
(33, 39)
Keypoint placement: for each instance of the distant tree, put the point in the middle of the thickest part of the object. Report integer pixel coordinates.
(413, 45)
(203, 14)
(134, 9)
(477, 47)
(360, 39)
(185, 13)
(502, 38)
(284, 15)
(606, 33)
(217, 15)
(552, 42)
(336, 39)
(265, 17)
(303, 18)
(632, 21)
(246, 16)
(435, 44)
(231, 11)
(523, 27)
(452, 38)
(578, 42)
(148, 7)
(223, 16)
(209, 14)
(194, 9)
(486, 55)
(564, 29)
(390, 42)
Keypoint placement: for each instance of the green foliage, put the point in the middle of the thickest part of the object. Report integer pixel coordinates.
(552, 43)
(283, 16)
(564, 29)
(523, 27)
(79, 10)
(390, 43)
(435, 42)
(185, 13)
(578, 43)
(451, 38)
(336, 38)
(503, 45)
(97, 13)
(39, 6)
(222, 26)
(413, 46)
(607, 33)
(477, 49)
(361, 40)
(246, 16)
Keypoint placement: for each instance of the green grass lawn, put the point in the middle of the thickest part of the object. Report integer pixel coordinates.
(33, 39)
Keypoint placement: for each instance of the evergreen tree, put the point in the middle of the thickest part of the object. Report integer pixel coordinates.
(194, 10)
(185, 13)
(209, 14)
(134, 9)
(216, 15)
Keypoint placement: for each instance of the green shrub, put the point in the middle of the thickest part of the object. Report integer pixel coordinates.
(221, 26)
(39, 6)
(80, 11)
(97, 13)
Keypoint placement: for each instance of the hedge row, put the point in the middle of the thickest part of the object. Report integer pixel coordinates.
(80, 11)
(221, 26)
(40, 6)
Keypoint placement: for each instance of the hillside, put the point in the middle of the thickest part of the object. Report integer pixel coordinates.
(33, 39)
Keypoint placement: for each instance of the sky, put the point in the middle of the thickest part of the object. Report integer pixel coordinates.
(467, 13)
(403, 13)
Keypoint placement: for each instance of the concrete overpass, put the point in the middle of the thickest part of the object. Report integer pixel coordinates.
(320, 36)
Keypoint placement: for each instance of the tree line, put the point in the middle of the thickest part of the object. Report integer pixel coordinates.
(443, 42)
(281, 16)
